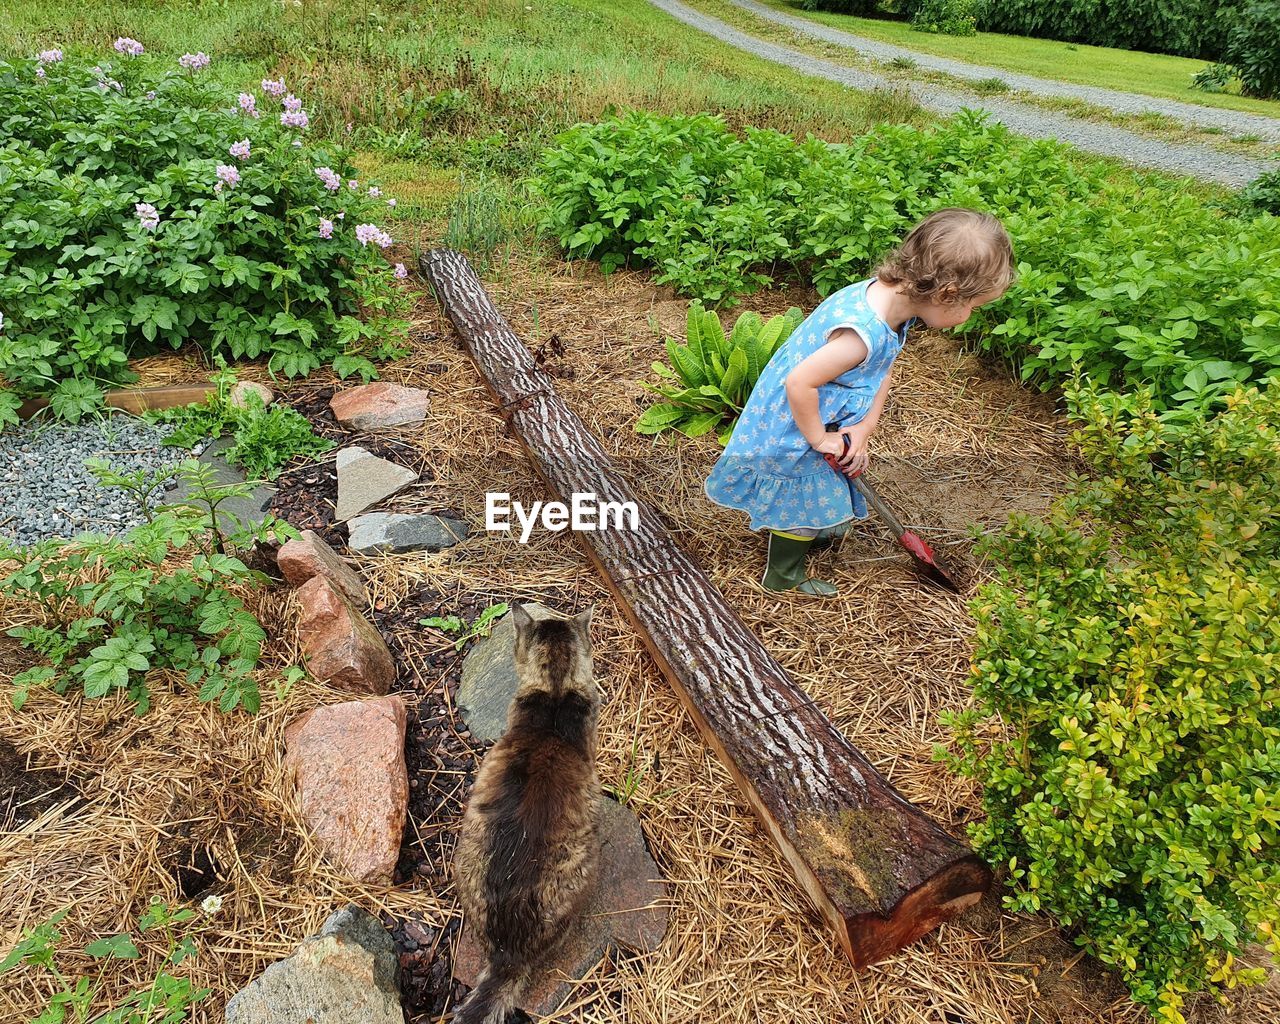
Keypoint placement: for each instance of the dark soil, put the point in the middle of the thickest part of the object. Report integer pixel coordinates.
(442, 760)
(194, 870)
(27, 792)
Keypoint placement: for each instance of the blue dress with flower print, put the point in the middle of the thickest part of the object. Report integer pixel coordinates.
(768, 469)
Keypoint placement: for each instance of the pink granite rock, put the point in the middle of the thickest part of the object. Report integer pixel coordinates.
(380, 404)
(307, 556)
(347, 761)
(341, 646)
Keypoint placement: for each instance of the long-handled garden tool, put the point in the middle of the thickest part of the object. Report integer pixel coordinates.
(927, 563)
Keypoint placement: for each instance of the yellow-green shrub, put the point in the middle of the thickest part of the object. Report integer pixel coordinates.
(1130, 648)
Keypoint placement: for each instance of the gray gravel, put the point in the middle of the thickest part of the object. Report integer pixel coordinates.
(1106, 140)
(1233, 122)
(48, 492)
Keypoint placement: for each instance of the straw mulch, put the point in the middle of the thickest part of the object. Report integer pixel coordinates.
(960, 444)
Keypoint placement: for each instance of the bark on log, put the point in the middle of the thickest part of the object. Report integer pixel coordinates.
(879, 870)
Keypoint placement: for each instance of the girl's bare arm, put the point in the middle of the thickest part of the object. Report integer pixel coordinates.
(872, 419)
(844, 350)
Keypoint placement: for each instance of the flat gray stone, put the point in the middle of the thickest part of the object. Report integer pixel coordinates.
(250, 511)
(364, 480)
(629, 909)
(398, 532)
(347, 973)
(489, 677)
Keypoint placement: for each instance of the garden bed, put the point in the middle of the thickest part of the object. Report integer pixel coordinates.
(960, 444)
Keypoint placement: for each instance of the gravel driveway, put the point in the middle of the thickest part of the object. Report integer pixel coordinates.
(1233, 122)
(1106, 140)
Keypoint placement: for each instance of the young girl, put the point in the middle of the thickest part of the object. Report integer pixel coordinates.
(835, 370)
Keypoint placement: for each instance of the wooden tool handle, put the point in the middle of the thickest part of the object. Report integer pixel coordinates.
(882, 510)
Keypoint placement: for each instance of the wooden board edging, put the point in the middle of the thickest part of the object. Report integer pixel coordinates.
(135, 400)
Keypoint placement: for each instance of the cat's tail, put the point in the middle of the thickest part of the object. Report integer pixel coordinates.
(497, 989)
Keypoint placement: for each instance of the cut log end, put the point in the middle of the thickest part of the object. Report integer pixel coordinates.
(869, 938)
(883, 879)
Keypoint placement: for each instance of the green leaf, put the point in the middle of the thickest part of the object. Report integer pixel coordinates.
(734, 377)
(116, 947)
(700, 424)
(73, 399)
(659, 417)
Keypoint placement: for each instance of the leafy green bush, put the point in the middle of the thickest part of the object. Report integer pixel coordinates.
(1213, 78)
(1134, 279)
(712, 375)
(145, 208)
(1190, 28)
(1126, 724)
(1253, 48)
(949, 17)
(860, 8)
(166, 999)
(1262, 195)
(158, 598)
(264, 440)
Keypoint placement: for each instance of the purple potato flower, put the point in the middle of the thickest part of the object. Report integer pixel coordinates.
(366, 233)
(276, 89)
(148, 215)
(401, 271)
(392, 202)
(326, 228)
(228, 175)
(330, 178)
(375, 191)
(49, 56)
(294, 119)
(194, 61)
(40, 71)
(240, 150)
(291, 102)
(151, 94)
(129, 47)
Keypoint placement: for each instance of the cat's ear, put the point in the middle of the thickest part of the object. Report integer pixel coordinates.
(521, 617)
(583, 621)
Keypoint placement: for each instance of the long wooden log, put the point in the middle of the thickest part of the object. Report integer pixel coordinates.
(880, 871)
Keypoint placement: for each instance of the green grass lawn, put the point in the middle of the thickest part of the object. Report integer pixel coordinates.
(431, 91)
(464, 68)
(1150, 74)
(456, 94)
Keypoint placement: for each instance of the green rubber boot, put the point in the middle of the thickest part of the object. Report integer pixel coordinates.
(785, 567)
(828, 535)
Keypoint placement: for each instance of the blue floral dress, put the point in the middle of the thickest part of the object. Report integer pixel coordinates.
(768, 469)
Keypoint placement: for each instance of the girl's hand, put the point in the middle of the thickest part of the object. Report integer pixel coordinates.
(852, 461)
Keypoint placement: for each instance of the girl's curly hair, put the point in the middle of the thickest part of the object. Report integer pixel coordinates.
(952, 254)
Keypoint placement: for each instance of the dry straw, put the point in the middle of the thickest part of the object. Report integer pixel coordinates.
(960, 444)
